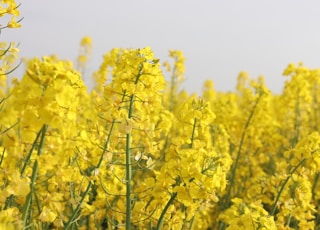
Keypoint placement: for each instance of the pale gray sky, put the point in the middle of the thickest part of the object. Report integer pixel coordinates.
(219, 38)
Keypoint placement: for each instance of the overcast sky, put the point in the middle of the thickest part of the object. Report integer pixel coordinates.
(219, 38)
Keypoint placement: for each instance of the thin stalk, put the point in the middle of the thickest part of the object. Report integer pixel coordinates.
(37, 200)
(7, 129)
(43, 134)
(234, 169)
(8, 202)
(4, 52)
(128, 183)
(193, 132)
(164, 211)
(72, 195)
(4, 27)
(192, 222)
(13, 69)
(128, 158)
(106, 144)
(222, 225)
(2, 156)
(273, 210)
(289, 219)
(128, 169)
(315, 182)
(76, 211)
(27, 161)
(27, 204)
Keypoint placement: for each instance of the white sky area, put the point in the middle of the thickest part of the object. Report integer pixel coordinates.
(218, 38)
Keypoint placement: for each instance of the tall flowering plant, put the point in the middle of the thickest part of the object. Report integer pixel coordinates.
(136, 152)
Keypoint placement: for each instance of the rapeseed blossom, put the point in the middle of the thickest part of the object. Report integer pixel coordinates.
(247, 216)
(222, 156)
(10, 7)
(84, 54)
(138, 152)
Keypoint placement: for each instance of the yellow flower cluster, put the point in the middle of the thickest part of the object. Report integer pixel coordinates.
(177, 76)
(84, 54)
(10, 7)
(8, 57)
(137, 153)
(250, 217)
(275, 147)
(8, 52)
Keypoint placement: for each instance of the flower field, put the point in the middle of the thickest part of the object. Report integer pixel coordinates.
(137, 152)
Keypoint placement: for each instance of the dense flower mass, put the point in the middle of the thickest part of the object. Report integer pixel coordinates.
(137, 152)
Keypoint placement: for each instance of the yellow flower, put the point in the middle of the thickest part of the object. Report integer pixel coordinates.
(247, 216)
(10, 219)
(84, 53)
(179, 59)
(13, 23)
(86, 41)
(47, 215)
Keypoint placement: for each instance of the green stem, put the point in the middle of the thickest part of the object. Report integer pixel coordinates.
(27, 204)
(222, 225)
(72, 195)
(25, 209)
(34, 144)
(128, 158)
(273, 210)
(43, 134)
(8, 202)
(289, 219)
(128, 183)
(76, 211)
(106, 144)
(315, 182)
(192, 222)
(193, 132)
(2, 156)
(4, 52)
(128, 169)
(13, 69)
(37, 200)
(234, 169)
(164, 211)
(7, 129)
